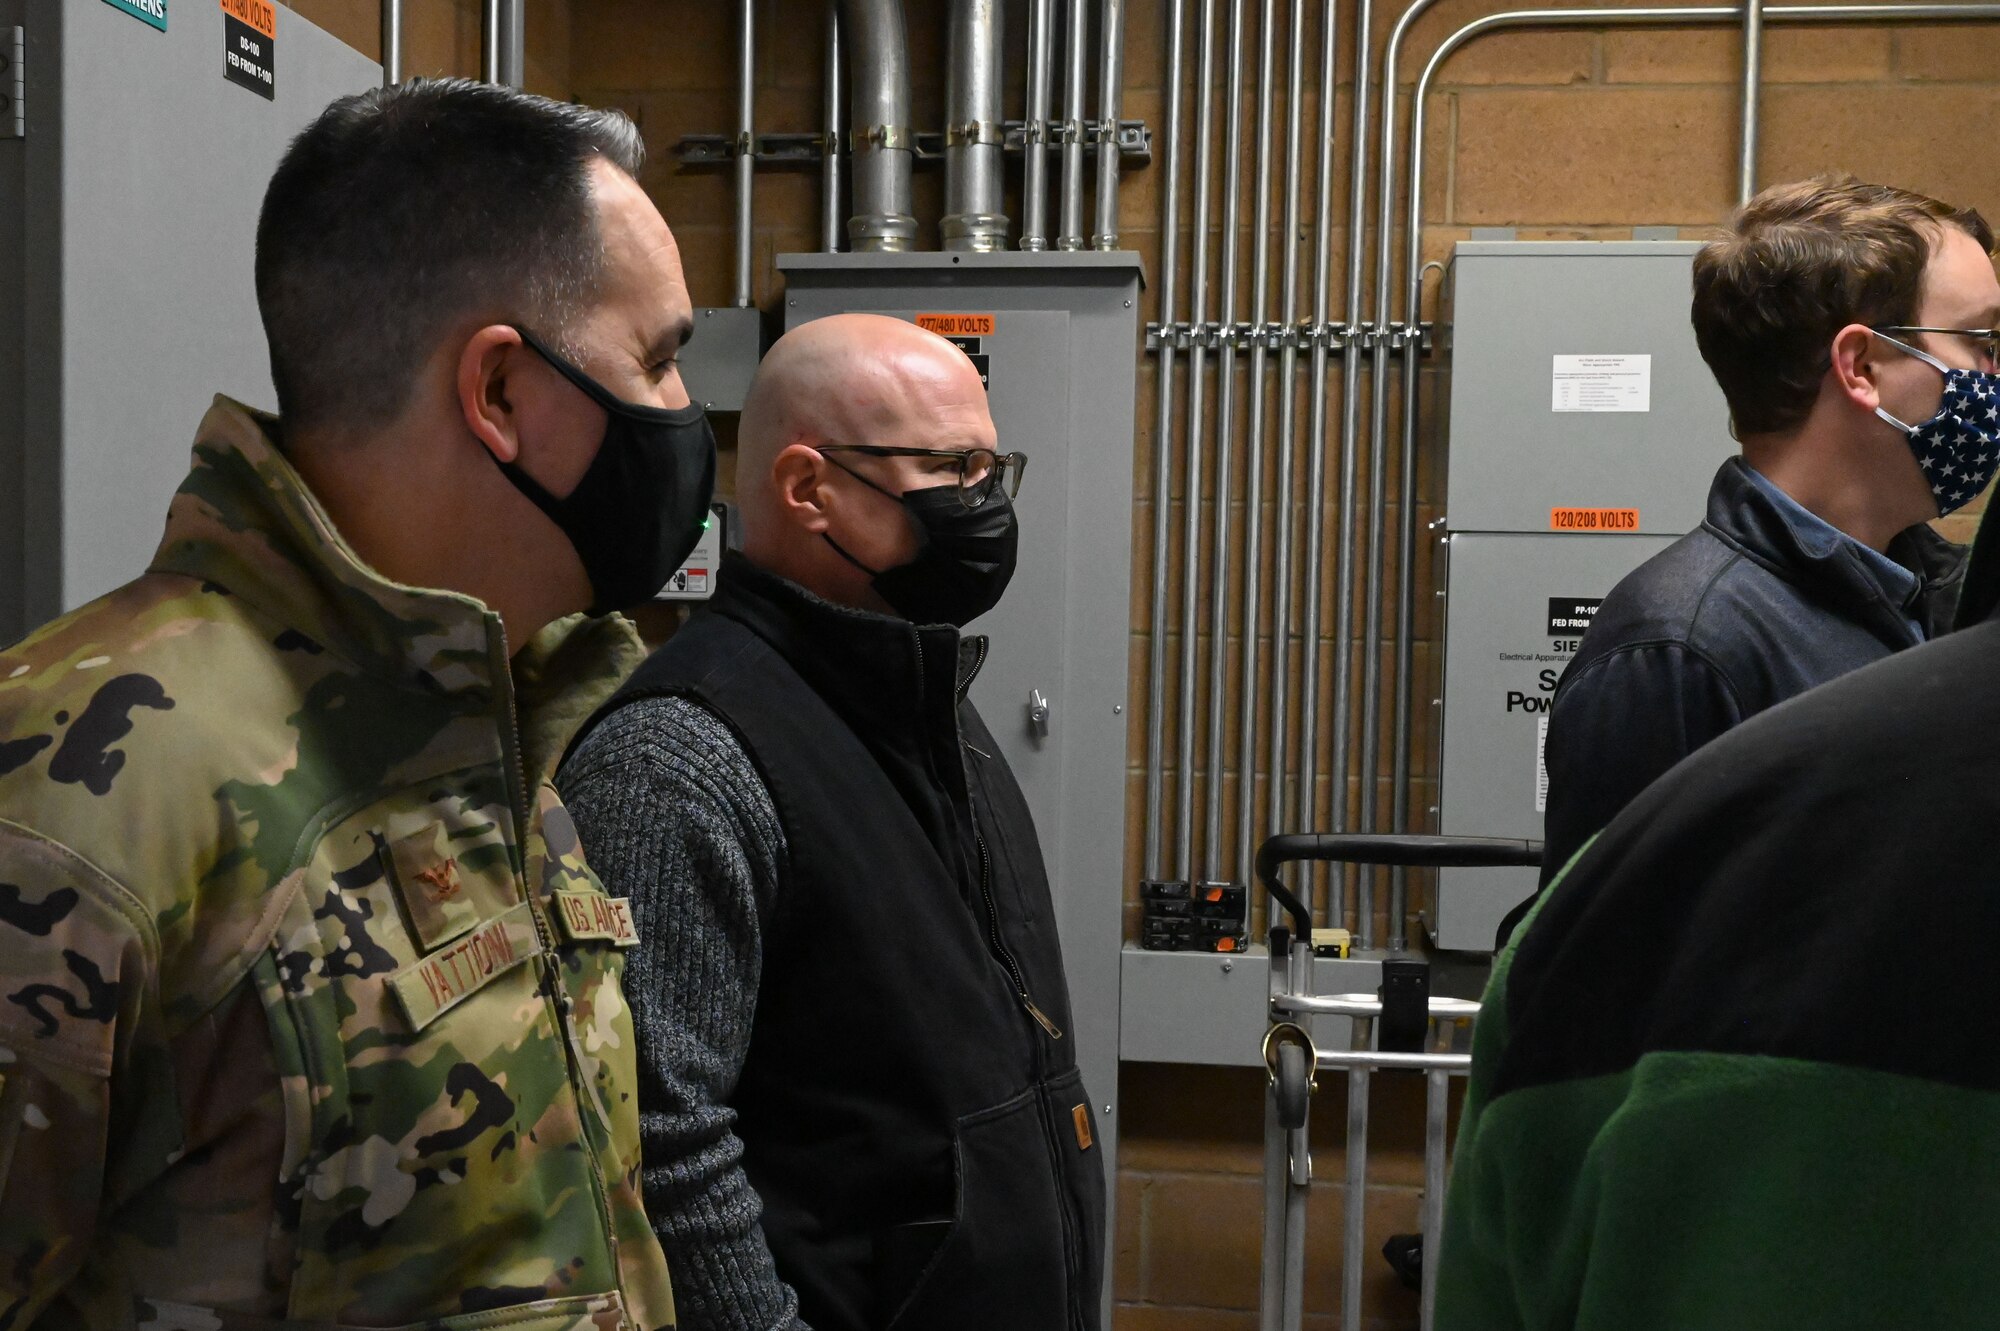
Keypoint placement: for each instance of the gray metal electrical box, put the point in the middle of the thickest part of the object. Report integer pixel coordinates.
(1056, 337)
(1584, 432)
(1576, 385)
(1513, 604)
(128, 216)
(721, 358)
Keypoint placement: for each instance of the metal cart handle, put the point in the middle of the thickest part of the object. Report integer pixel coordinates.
(1392, 848)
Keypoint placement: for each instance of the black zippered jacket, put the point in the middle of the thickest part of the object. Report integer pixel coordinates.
(1735, 617)
(912, 1118)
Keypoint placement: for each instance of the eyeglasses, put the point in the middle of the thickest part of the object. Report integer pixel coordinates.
(978, 471)
(1985, 341)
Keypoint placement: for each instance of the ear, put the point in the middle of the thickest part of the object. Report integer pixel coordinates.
(798, 481)
(490, 356)
(1856, 368)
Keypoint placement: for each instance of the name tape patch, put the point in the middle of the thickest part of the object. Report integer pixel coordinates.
(592, 915)
(441, 981)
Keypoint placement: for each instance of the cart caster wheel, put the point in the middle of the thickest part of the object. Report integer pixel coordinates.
(1294, 1085)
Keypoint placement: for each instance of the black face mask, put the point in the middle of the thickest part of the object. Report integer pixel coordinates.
(642, 504)
(965, 556)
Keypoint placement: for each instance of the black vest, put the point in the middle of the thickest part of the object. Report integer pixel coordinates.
(923, 1146)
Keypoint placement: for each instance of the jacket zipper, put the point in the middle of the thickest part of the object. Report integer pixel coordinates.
(552, 987)
(993, 939)
(1000, 947)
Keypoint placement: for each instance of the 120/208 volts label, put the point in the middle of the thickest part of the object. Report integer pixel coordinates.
(1593, 519)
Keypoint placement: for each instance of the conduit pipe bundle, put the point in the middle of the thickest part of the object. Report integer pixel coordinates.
(880, 145)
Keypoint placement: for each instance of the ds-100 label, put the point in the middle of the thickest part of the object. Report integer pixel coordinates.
(1593, 519)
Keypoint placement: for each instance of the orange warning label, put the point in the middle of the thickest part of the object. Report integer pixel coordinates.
(259, 14)
(957, 325)
(1593, 519)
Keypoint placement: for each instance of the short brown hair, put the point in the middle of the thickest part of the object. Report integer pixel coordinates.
(1799, 263)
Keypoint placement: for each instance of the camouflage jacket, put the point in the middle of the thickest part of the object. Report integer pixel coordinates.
(309, 1007)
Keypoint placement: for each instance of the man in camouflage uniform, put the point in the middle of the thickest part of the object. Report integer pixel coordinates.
(310, 1010)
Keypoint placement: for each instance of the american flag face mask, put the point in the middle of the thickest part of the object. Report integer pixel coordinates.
(1959, 448)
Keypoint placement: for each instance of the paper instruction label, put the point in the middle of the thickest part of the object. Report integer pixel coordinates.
(1602, 383)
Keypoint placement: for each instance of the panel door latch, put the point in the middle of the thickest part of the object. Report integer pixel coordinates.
(1038, 714)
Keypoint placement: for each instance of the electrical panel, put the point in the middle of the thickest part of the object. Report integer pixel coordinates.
(1579, 401)
(1584, 431)
(128, 219)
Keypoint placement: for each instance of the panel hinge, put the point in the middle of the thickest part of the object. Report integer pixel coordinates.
(13, 84)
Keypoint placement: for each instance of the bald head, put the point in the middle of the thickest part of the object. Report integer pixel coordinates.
(849, 379)
(858, 379)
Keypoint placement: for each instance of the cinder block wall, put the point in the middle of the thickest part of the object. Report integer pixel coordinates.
(1561, 134)
(441, 37)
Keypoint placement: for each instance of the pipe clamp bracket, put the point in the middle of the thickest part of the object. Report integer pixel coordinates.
(975, 132)
(884, 138)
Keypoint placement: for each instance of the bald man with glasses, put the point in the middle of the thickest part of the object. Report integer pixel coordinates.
(858, 1104)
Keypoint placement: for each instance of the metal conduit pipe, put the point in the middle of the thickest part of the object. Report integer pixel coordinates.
(1378, 426)
(1076, 61)
(1413, 275)
(972, 134)
(392, 43)
(1350, 430)
(1753, 77)
(746, 142)
(1110, 106)
(1204, 193)
(1315, 566)
(880, 147)
(1035, 135)
(1247, 822)
(833, 144)
(506, 55)
(1288, 364)
(1215, 856)
(489, 41)
(1163, 433)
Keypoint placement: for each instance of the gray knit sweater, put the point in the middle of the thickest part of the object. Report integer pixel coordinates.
(673, 815)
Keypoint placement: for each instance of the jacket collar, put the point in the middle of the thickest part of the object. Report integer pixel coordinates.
(881, 673)
(245, 523)
(1746, 518)
(1980, 600)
